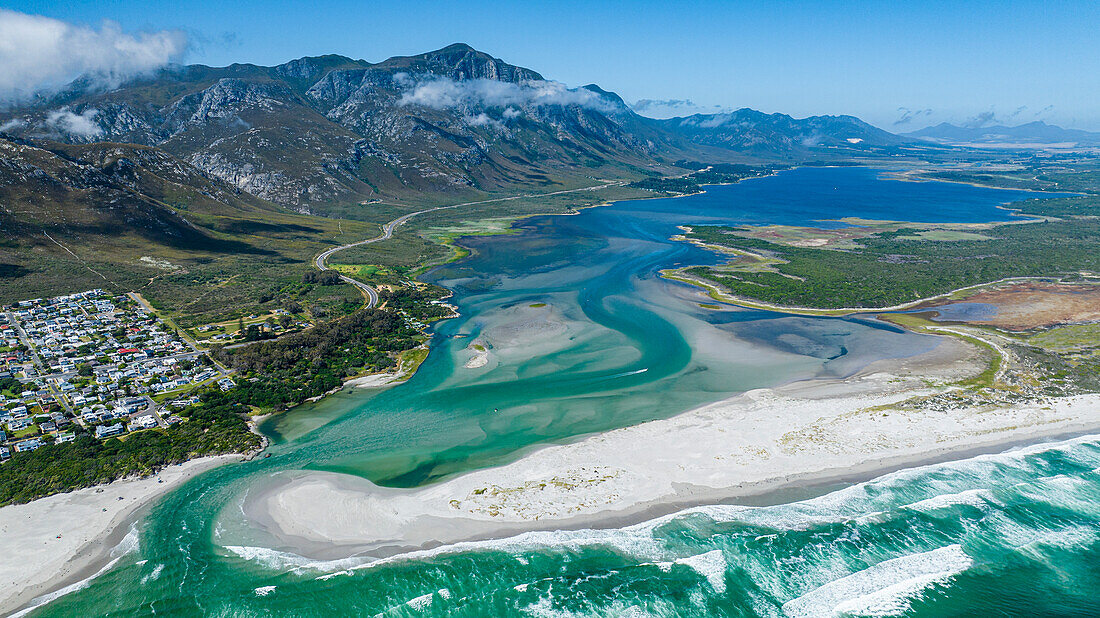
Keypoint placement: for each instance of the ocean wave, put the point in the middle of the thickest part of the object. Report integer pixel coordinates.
(883, 589)
(828, 529)
(281, 560)
(711, 565)
(979, 498)
(153, 575)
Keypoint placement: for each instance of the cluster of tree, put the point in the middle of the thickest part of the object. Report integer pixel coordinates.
(729, 173)
(667, 185)
(11, 385)
(705, 174)
(214, 427)
(287, 371)
(416, 302)
(322, 277)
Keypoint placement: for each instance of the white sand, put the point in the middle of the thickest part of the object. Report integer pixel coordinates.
(481, 354)
(374, 380)
(763, 440)
(36, 561)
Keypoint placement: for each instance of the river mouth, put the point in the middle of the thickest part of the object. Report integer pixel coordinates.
(566, 330)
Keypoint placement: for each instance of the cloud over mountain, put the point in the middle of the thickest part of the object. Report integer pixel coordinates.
(39, 53)
(81, 125)
(446, 93)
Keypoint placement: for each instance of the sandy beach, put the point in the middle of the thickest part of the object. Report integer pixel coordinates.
(91, 522)
(374, 380)
(766, 440)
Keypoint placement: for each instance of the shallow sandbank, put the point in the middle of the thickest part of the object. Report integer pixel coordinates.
(801, 435)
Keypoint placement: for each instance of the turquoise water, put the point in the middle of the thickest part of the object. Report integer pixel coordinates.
(582, 336)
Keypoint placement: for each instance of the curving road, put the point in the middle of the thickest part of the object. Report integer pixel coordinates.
(387, 232)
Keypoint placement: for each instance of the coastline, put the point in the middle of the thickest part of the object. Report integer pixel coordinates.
(92, 522)
(766, 445)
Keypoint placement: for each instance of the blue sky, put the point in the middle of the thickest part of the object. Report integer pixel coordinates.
(957, 61)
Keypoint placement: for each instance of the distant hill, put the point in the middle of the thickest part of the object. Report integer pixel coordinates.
(750, 131)
(1037, 132)
(86, 192)
(323, 134)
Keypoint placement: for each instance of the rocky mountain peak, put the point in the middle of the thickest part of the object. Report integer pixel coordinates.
(462, 62)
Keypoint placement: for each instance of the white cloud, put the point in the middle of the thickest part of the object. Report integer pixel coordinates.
(708, 122)
(483, 120)
(14, 123)
(443, 93)
(907, 115)
(40, 53)
(80, 125)
(671, 108)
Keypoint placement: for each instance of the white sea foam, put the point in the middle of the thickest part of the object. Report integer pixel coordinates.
(971, 497)
(884, 589)
(129, 543)
(279, 560)
(153, 575)
(263, 591)
(640, 541)
(420, 602)
(711, 565)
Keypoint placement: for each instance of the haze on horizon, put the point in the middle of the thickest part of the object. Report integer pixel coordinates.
(901, 67)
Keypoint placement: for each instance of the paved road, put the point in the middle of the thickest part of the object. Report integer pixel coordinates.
(387, 232)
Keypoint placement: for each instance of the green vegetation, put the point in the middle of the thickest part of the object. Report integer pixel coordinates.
(422, 303)
(668, 185)
(1038, 178)
(714, 174)
(410, 360)
(214, 427)
(422, 241)
(893, 268)
(275, 375)
(1076, 339)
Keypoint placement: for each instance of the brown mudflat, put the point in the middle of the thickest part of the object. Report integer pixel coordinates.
(1035, 304)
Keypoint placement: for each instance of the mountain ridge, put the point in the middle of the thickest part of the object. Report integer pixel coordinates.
(1035, 132)
(321, 134)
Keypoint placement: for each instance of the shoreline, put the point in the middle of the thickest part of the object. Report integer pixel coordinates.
(715, 292)
(92, 522)
(734, 451)
(762, 494)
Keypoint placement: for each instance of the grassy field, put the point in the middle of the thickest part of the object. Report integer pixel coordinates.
(254, 261)
(901, 263)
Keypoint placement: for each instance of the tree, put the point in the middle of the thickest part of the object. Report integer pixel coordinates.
(84, 369)
(322, 277)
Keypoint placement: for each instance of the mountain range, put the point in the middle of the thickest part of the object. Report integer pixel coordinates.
(322, 135)
(1031, 133)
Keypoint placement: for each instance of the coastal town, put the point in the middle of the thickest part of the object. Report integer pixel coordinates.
(93, 362)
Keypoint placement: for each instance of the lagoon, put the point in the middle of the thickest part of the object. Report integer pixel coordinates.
(580, 336)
